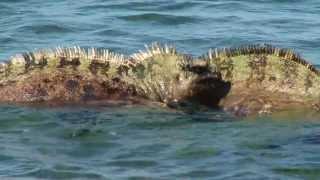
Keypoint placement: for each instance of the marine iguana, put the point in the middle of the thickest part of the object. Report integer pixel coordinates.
(247, 80)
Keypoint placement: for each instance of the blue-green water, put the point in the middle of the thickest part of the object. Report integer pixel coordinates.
(153, 143)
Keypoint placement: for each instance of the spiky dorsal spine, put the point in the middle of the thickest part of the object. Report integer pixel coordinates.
(267, 68)
(158, 72)
(24, 62)
(152, 50)
(260, 49)
(90, 54)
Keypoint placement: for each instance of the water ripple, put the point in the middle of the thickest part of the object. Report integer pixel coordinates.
(312, 139)
(164, 19)
(132, 163)
(45, 28)
(143, 6)
(58, 174)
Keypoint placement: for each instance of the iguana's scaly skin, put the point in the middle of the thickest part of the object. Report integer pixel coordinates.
(265, 79)
(70, 75)
(246, 80)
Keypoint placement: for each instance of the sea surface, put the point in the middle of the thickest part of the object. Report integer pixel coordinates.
(137, 142)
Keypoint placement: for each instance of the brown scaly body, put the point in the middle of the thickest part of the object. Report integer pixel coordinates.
(70, 75)
(265, 79)
(247, 80)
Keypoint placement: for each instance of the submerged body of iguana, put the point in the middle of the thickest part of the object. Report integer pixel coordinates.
(247, 80)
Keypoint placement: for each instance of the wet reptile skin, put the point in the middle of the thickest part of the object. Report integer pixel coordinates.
(255, 79)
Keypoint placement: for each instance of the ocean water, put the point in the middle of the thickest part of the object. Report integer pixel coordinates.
(156, 143)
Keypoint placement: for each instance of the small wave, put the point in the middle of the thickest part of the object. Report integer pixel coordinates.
(7, 40)
(197, 41)
(178, 6)
(12, 1)
(16, 167)
(308, 173)
(164, 19)
(227, 6)
(133, 163)
(136, 6)
(311, 139)
(196, 153)
(111, 32)
(55, 174)
(45, 28)
(198, 174)
(308, 43)
(6, 11)
(143, 6)
(143, 151)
